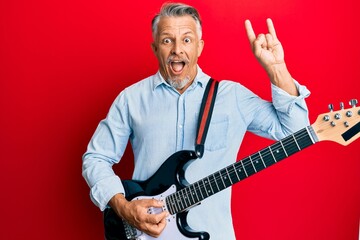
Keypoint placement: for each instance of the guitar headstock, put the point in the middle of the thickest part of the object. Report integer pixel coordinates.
(341, 126)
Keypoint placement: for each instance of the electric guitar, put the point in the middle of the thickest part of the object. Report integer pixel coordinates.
(169, 185)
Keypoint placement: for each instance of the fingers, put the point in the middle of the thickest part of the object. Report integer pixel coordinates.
(251, 34)
(155, 224)
(249, 31)
(156, 218)
(151, 222)
(156, 203)
(271, 28)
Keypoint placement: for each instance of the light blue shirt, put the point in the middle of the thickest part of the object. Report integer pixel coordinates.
(159, 121)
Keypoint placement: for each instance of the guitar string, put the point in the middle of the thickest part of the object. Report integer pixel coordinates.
(288, 141)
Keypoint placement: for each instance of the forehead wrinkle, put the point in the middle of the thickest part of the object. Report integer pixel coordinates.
(172, 32)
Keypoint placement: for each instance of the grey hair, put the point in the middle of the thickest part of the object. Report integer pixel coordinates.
(176, 10)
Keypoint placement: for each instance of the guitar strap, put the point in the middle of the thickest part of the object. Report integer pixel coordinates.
(206, 110)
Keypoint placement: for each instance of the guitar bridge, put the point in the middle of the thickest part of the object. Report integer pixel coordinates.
(130, 231)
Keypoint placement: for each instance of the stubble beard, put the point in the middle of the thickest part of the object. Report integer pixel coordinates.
(178, 83)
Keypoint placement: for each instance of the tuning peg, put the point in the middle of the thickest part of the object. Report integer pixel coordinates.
(341, 105)
(331, 107)
(353, 102)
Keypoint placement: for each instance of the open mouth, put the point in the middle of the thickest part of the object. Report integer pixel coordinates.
(177, 66)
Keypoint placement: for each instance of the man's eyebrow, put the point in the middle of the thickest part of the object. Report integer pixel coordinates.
(170, 34)
(189, 33)
(165, 34)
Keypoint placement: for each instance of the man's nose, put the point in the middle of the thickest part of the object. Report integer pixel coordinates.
(177, 48)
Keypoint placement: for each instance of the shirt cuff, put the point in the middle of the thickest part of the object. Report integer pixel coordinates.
(104, 190)
(284, 102)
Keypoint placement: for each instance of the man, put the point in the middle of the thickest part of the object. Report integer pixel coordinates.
(159, 115)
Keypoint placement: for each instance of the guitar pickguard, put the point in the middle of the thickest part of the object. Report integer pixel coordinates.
(170, 232)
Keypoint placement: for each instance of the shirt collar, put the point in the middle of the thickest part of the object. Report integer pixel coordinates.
(200, 79)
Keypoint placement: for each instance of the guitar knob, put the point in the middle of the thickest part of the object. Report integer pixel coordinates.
(331, 107)
(348, 113)
(337, 116)
(341, 105)
(353, 102)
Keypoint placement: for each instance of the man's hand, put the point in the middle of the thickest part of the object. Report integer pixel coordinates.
(270, 53)
(136, 214)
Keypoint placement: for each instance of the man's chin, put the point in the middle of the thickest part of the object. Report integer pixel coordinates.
(178, 82)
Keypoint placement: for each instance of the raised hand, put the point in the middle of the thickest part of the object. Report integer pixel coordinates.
(266, 47)
(270, 53)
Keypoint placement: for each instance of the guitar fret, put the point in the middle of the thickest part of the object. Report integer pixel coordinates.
(192, 194)
(186, 195)
(233, 174)
(283, 148)
(175, 203)
(237, 175)
(279, 151)
(244, 168)
(219, 179)
(262, 159)
(197, 196)
(169, 204)
(249, 167)
(225, 178)
(296, 142)
(289, 145)
(179, 199)
(257, 162)
(305, 139)
(214, 185)
(198, 192)
(204, 185)
(252, 163)
(212, 191)
(229, 176)
(202, 196)
(177, 208)
(239, 170)
(272, 154)
(222, 180)
(216, 182)
(183, 199)
(310, 135)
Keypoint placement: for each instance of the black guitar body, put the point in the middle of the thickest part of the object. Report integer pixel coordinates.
(171, 174)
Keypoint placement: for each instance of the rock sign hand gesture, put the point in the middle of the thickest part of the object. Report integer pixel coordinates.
(270, 53)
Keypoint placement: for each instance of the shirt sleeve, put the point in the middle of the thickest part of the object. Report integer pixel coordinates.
(285, 115)
(105, 149)
(291, 110)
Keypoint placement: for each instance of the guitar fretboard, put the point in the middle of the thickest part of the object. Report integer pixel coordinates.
(240, 170)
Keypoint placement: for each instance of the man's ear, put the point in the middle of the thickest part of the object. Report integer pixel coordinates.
(154, 48)
(200, 47)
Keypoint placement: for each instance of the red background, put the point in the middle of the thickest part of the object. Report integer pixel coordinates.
(62, 63)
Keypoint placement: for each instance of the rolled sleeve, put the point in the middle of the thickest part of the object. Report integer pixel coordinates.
(104, 190)
(284, 102)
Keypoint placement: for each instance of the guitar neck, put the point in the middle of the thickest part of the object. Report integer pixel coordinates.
(226, 177)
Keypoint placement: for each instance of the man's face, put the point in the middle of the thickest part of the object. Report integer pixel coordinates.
(177, 47)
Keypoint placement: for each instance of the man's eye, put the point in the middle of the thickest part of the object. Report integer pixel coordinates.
(166, 40)
(187, 40)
